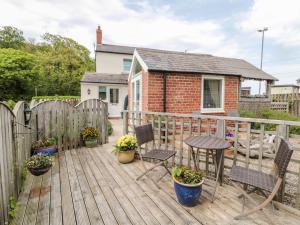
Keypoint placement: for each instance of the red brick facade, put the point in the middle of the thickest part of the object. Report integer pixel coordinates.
(183, 92)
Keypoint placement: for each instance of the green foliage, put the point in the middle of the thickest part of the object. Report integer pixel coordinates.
(126, 143)
(12, 211)
(56, 97)
(53, 66)
(11, 37)
(186, 176)
(90, 133)
(17, 74)
(23, 176)
(45, 142)
(11, 104)
(109, 128)
(273, 115)
(38, 161)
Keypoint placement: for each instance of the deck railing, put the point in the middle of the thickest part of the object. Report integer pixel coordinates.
(255, 141)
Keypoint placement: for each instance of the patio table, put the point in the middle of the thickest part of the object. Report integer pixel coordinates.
(210, 143)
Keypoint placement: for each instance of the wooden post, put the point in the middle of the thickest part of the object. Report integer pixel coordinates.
(283, 133)
(125, 122)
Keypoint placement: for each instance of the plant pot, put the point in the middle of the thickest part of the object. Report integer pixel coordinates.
(50, 150)
(39, 171)
(126, 156)
(188, 194)
(90, 143)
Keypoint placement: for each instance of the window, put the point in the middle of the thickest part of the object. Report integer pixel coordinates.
(126, 65)
(102, 93)
(114, 95)
(212, 94)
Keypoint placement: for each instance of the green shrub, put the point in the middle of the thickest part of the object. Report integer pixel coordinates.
(11, 104)
(273, 115)
(56, 97)
(187, 176)
(110, 129)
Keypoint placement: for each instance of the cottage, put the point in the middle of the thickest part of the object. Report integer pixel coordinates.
(169, 81)
(109, 82)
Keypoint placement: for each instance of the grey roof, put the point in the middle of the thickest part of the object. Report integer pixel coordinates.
(286, 85)
(170, 61)
(104, 78)
(115, 49)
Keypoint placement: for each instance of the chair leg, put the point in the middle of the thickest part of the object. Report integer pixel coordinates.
(260, 206)
(148, 170)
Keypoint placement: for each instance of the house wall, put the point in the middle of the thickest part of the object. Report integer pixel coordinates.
(110, 62)
(183, 92)
(114, 110)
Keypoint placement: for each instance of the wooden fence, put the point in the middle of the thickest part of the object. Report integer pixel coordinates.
(15, 147)
(56, 119)
(255, 141)
(64, 122)
(280, 106)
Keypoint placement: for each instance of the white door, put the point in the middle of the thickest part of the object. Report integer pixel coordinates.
(136, 90)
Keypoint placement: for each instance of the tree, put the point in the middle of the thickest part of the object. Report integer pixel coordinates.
(11, 37)
(62, 63)
(17, 74)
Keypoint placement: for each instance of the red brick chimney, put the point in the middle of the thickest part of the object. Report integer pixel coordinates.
(99, 35)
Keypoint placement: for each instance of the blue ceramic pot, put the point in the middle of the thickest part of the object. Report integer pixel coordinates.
(188, 194)
(46, 151)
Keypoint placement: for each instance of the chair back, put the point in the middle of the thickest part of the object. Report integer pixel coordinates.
(144, 134)
(282, 158)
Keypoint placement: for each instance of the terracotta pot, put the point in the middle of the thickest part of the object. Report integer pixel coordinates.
(126, 156)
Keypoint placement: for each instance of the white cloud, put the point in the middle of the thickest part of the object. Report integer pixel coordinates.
(282, 18)
(147, 26)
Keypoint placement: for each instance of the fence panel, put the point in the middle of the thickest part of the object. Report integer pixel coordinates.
(280, 106)
(64, 122)
(15, 143)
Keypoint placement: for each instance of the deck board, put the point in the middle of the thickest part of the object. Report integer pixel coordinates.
(89, 186)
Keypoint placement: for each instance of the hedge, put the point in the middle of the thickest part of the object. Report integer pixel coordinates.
(56, 97)
(274, 115)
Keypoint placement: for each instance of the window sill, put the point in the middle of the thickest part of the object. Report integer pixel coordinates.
(212, 111)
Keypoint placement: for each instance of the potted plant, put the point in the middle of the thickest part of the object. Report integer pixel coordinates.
(39, 164)
(90, 135)
(44, 146)
(187, 185)
(125, 148)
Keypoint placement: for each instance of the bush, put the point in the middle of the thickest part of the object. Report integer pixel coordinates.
(110, 129)
(273, 115)
(11, 104)
(56, 97)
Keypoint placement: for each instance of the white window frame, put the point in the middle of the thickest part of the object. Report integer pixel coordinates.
(137, 77)
(126, 59)
(212, 110)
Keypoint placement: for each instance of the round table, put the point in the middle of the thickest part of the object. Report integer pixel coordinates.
(210, 143)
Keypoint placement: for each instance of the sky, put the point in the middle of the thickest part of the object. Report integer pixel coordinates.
(225, 28)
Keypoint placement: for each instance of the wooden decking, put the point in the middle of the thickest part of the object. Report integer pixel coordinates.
(88, 186)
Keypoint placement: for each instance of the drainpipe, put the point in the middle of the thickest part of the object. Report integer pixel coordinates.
(164, 92)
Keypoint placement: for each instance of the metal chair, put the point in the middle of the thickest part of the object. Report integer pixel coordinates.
(262, 181)
(144, 135)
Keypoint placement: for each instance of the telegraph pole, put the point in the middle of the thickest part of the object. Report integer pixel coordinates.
(262, 51)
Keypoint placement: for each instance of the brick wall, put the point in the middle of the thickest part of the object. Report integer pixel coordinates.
(183, 92)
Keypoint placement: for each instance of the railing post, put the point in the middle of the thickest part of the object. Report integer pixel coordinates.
(283, 133)
(220, 128)
(125, 122)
